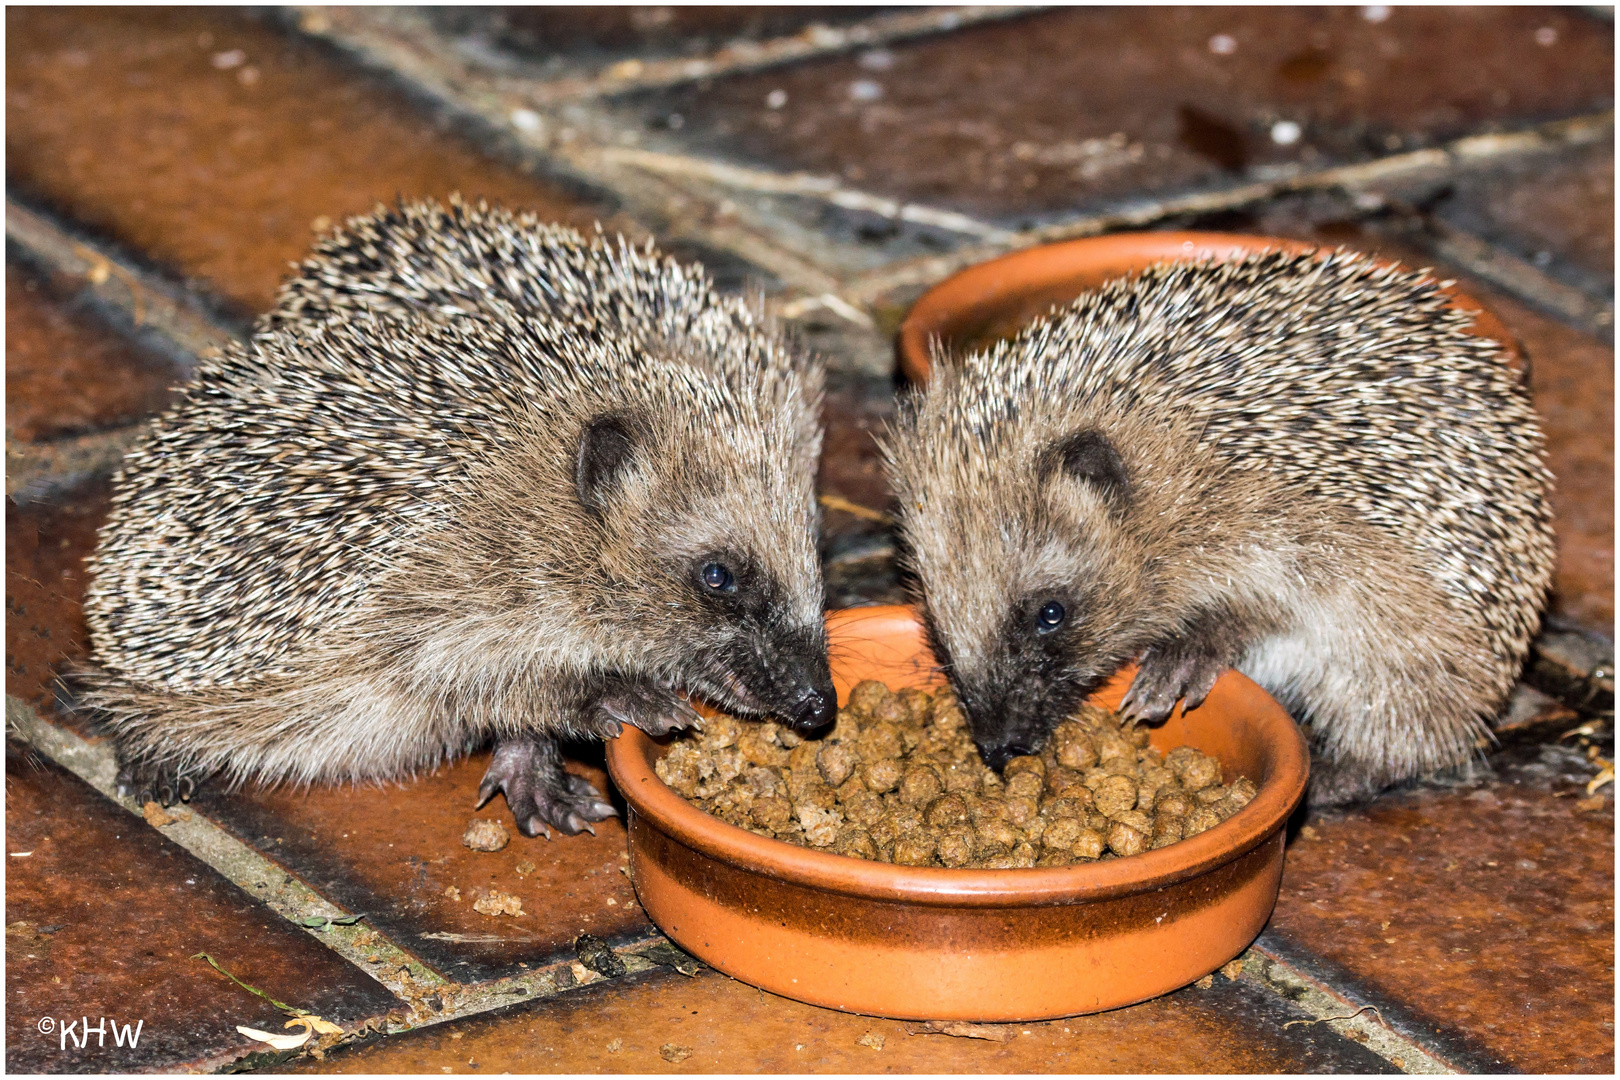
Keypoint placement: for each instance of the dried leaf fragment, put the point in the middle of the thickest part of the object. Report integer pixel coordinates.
(279, 1042)
(595, 954)
(1604, 776)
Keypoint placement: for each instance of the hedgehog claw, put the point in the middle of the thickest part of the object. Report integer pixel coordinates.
(541, 796)
(164, 783)
(1166, 676)
(656, 710)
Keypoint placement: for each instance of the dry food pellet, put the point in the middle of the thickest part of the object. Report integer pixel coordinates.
(898, 780)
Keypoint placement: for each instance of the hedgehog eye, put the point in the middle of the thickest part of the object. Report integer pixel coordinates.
(1050, 617)
(718, 578)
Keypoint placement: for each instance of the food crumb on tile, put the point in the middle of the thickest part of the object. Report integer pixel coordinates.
(674, 1054)
(484, 834)
(1233, 969)
(156, 816)
(872, 1039)
(1206, 982)
(498, 903)
(524, 868)
(615, 1046)
(452, 892)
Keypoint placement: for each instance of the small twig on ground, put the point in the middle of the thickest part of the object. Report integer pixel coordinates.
(1322, 1020)
(835, 502)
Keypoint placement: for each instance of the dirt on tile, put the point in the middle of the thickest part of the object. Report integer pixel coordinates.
(1488, 911)
(46, 545)
(1064, 110)
(1557, 213)
(103, 918)
(65, 373)
(395, 851)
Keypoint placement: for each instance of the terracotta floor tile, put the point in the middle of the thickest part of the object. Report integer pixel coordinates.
(102, 919)
(1490, 912)
(1556, 213)
(645, 1024)
(46, 545)
(210, 142)
(1061, 110)
(65, 373)
(393, 851)
(851, 467)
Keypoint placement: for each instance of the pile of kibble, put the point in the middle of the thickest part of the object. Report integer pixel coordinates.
(899, 780)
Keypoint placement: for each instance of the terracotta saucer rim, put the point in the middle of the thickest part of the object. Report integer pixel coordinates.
(1043, 265)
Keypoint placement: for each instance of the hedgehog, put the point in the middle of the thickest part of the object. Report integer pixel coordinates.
(1302, 466)
(473, 479)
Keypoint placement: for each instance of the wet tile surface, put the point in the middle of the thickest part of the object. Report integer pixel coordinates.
(1487, 911)
(46, 545)
(102, 919)
(394, 851)
(1057, 111)
(1556, 214)
(662, 1023)
(67, 375)
(211, 143)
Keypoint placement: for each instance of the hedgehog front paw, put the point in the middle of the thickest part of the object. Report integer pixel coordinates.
(162, 782)
(1166, 675)
(539, 792)
(657, 710)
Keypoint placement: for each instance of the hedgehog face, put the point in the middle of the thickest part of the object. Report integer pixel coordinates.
(1023, 625)
(1018, 545)
(713, 545)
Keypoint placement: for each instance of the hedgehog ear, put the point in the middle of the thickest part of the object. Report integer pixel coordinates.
(605, 450)
(1089, 457)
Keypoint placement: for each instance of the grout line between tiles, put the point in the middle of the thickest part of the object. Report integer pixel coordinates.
(1346, 1013)
(138, 300)
(295, 901)
(426, 62)
(401, 39)
(1468, 152)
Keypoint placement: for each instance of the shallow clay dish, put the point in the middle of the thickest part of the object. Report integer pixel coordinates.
(994, 299)
(987, 945)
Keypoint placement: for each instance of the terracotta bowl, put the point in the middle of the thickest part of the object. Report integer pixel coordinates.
(985, 945)
(995, 299)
